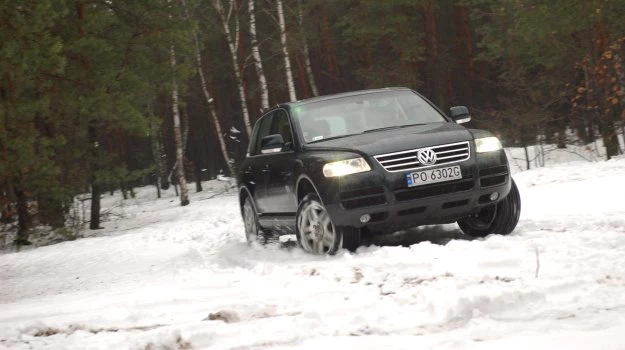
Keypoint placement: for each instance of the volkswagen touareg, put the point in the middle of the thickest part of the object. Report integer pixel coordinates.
(332, 168)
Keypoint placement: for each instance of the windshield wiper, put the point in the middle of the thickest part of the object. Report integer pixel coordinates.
(380, 129)
(330, 138)
(390, 127)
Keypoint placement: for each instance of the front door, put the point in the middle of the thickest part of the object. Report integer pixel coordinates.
(278, 169)
(254, 167)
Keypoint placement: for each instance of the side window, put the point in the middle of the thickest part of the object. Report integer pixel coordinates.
(251, 147)
(263, 129)
(280, 125)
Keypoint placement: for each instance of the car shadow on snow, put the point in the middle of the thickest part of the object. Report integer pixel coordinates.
(437, 234)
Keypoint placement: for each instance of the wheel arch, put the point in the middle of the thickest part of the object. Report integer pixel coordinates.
(304, 186)
(244, 192)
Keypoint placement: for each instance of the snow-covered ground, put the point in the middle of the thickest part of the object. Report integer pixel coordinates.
(165, 277)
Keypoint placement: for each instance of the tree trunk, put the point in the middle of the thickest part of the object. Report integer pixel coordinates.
(184, 195)
(233, 46)
(159, 157)
(305, 50)
(623, 133)
(302, 76)
(309, 72)
(465, 50)
(329, 53)
(561, 137)
(198, 178)
(610, 139)
(158, 188)
(527, 158)
(433, 73)
(210, 100)
(24, 220)
(285, 53)
(122, 187)
(96, 191)
(258, 63)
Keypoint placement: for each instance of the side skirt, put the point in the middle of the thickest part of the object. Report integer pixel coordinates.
(281, 223)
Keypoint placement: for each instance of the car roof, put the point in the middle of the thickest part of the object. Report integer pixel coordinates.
(335, 96)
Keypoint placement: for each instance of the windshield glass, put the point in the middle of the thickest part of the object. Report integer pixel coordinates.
(363, 113)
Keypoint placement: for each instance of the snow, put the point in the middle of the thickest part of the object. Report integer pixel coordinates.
(161, 276)
(551, 155)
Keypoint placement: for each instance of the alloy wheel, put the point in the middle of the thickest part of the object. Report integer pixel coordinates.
(249, 220)
(317, 233)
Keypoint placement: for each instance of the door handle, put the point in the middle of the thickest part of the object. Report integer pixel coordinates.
(266, 171)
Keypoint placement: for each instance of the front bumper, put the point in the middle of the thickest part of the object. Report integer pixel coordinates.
(392, 205)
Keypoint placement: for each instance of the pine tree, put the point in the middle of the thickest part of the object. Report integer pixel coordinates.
(29, 56)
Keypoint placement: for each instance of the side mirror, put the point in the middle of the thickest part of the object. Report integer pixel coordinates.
(460, 114)
(271, 144)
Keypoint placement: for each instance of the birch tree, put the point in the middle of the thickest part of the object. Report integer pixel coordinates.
(207, 96)
(258, 63)
(159, 155)
(233, 46)
(184, 193)
(285, 52)
(305, 50)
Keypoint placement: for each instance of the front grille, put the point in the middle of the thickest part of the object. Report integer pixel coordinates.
(407, 160)
(361, 198)
(433, 190)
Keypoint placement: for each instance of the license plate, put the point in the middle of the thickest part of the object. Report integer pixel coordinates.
(432, 176)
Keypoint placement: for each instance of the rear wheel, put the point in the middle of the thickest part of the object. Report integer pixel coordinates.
(253, 232)
(316, 233)
(500, 218)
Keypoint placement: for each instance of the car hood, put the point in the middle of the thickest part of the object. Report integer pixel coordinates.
(394, 140)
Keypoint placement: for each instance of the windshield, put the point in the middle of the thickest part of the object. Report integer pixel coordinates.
(363, 113)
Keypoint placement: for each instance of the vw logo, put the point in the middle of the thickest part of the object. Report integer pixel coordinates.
(426, 156)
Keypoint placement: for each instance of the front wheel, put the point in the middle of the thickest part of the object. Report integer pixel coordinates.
(500, 218)
(316, 233)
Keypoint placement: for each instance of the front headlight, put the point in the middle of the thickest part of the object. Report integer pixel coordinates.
(345, 167)
(487, 144)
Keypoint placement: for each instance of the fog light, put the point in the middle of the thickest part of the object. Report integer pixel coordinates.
(494, 196)
(365, 218)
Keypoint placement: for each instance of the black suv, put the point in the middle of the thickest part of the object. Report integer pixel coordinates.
(333, 168)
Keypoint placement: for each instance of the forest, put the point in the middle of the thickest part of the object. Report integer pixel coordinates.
(98, 96)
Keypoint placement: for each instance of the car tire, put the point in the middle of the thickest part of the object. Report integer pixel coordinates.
(500, 218)
(316, 234)
(254, 233)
